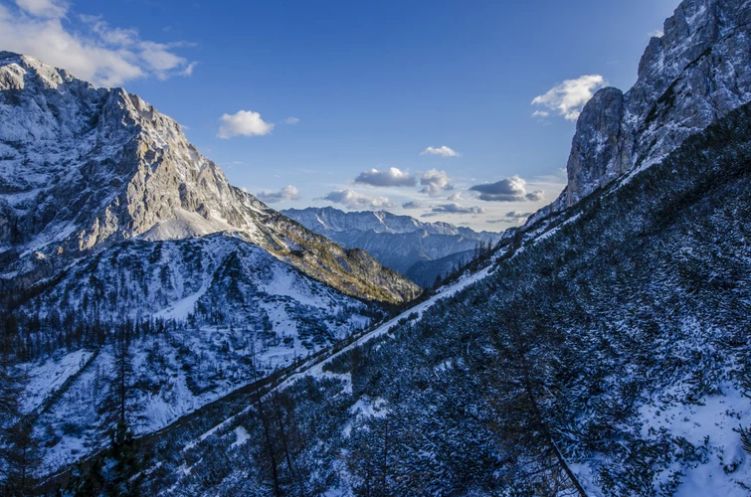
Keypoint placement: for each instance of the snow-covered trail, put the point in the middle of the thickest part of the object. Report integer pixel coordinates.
(316, 369)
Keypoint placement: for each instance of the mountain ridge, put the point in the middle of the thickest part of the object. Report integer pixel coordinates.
(423, 252)
(130, 172)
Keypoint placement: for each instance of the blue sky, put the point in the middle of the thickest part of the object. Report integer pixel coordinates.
(330, 90)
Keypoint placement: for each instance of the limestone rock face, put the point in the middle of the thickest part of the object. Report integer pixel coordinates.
(82, 168)
(692, 75)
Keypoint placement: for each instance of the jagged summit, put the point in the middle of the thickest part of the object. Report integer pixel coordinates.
(84, 167)
(16, 67)
(381, 221)
(692, 75)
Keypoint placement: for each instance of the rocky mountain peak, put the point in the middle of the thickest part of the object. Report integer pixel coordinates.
(695, 73)
(82, 168)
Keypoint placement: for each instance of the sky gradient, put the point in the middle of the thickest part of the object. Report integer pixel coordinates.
(443, 110)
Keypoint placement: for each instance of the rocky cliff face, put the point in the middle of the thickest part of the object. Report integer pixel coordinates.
(82, 168)
(693, 74)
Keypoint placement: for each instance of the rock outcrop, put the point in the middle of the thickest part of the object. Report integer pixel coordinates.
(692, 75)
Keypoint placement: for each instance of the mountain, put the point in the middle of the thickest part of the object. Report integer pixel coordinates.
(613, 345)
(83, 168)
(421, 251)
(690, 76)
(138, 285)
(602, 351)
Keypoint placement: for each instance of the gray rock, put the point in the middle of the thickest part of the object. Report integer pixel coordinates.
(83, 168)
(698, 71)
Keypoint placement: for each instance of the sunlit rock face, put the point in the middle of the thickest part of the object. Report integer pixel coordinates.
(82, 168)
(695, 73)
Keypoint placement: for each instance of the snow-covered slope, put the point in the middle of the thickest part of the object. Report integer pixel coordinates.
(615, 343)
(401, 243)
(83, 168)
(607, 346)
(208, 315)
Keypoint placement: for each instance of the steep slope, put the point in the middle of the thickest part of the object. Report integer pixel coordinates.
(83, 168)
(401, 243)
(208, 315)
(138, 278)
(617, 340)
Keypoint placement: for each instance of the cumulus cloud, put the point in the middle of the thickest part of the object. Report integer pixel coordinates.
(435, 182)
(292, 120)
(513, 189)
(567, 99)
(412, 204)
(289, 192)
(453, 209)
(392, 176)
(86, 46)
(442, 151)
(243, 123)
(355, 200)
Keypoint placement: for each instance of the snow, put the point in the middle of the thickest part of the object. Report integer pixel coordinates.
(47, 377)
(186, 224)
(241, 436)
(712, 423)
(182, 308)
(315, 369)
(555, 230)
(365, 407)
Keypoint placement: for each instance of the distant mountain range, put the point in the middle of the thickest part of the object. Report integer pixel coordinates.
(420, 251)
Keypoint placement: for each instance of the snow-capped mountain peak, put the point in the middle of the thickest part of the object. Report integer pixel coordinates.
(84, 168)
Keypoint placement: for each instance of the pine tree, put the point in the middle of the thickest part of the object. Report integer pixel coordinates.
(18, 450)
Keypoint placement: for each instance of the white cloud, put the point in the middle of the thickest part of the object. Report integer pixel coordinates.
(86, 46)
(243, 123)
(392, 176)
(568, 98)
(513, 189)
(355, 200)
(442, 151)
(435, 182)
(289, 192)
(292, 120)
(43, 8)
